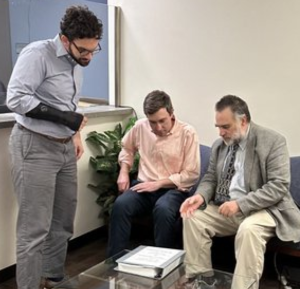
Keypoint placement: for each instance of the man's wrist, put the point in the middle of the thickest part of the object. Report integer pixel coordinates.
(166, 183)
(124, 168)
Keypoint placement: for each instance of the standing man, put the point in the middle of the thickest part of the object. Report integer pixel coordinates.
(244, 192)
(45, 144)
(169, 166)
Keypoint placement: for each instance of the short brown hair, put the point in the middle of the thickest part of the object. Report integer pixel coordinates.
(156, 100)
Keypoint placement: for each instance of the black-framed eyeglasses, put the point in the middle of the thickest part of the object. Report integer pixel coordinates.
(84, 52)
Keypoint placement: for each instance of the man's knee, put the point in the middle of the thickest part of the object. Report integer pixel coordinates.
(165, 211)
(169, 203)
(248, 232)
(259, 226)
(197, 220)
(122, 205)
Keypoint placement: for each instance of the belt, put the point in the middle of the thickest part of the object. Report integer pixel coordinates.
(60, 140)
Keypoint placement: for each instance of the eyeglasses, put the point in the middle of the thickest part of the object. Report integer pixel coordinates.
(85, 52)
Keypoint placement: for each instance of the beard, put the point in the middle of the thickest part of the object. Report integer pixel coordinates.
(81, 60)
(237, 137)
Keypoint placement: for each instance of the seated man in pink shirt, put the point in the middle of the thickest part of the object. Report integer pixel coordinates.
(169, 166)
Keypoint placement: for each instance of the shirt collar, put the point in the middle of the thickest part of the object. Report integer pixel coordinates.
(175, 125)
(61, 50)
(243, 143)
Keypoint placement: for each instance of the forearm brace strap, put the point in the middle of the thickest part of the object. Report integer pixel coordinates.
(70, 119)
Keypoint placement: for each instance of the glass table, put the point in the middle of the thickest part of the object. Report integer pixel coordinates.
(104, 275)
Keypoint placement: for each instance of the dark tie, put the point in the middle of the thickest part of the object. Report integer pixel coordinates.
(222, 191)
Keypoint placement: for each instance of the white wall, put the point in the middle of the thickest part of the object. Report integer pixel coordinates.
(87, 210)
(200, 50)
(8, 205)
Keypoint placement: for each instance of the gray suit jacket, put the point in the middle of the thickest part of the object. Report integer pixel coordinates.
(267, 180)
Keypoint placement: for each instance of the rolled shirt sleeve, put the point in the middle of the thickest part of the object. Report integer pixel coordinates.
(190, 171)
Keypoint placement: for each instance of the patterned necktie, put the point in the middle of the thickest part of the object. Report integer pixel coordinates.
(222, 191)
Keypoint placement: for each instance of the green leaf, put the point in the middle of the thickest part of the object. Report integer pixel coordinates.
(108, 201)
(97, 139)
(129, 125)
(112, 135)
(106, 164)
(118, 131)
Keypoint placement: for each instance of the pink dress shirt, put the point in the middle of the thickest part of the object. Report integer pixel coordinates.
(175, 156)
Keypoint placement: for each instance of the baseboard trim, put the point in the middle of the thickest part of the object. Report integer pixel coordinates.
(10, 272)
(7, 273)
(87, 238)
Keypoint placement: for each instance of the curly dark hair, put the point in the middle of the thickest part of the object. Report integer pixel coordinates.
(156, 100)
(80, 22)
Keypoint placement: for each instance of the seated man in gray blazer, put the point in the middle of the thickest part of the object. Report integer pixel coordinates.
(244, 192)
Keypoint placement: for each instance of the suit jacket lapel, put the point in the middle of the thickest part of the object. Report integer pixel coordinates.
(250, 156)
(221, 156)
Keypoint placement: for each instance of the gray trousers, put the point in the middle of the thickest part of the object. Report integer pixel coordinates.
(252, 234)
(44, 174)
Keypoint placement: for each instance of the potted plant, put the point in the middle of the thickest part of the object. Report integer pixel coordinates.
(108, 145)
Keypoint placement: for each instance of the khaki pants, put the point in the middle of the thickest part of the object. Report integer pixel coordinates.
(252, 235)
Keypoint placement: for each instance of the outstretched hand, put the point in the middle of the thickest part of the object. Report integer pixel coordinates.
(190, 205)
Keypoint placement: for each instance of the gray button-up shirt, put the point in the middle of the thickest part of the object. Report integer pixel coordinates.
(44, 72)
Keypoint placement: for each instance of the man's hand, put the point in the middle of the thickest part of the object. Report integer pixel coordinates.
(147, 187)
(190, 205)
(83, 123)
(78, 145)
(228, 209)
(123, 181)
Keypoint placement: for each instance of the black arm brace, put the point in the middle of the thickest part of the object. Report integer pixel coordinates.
(70, 119)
